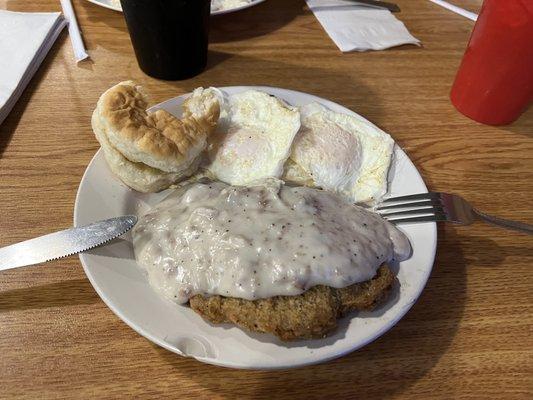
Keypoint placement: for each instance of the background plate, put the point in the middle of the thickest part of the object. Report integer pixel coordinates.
(116, 277)
(110, 4)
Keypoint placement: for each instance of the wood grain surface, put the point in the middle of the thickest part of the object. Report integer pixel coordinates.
(470, 334)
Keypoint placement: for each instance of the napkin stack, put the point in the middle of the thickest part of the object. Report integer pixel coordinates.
(359, 27)
(25, 39)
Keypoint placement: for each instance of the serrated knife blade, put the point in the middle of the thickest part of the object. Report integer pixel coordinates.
(64, 243)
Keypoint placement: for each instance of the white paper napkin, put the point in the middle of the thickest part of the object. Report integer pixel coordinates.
(355, 27)
(25, 39)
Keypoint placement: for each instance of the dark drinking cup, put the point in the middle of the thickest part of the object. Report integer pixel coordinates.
(169, 36)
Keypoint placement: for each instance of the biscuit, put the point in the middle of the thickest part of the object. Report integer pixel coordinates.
(138, 176)
(159, 139)
(200, 105)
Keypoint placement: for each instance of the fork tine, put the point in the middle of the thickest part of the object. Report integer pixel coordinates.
(425, 203)
(423, 210)
(419, 196)
(427, 218)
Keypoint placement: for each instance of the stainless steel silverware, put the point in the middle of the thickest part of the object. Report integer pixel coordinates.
(433, 206)
(64, 243)
(380, 4)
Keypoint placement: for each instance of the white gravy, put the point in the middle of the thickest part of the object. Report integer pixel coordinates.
(262, 241)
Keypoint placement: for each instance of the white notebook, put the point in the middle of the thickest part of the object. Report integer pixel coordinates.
(25, 39)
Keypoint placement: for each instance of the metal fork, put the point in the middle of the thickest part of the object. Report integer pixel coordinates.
(433, 206)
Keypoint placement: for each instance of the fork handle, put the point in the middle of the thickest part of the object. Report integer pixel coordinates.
(506, 223)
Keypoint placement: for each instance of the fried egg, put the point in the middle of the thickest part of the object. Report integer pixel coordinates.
(340, 153)
(253, 139)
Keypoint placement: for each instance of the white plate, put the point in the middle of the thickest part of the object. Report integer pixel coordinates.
(109, 4)
(123, 287)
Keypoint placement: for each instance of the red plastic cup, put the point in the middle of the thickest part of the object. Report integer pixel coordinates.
(494, 84)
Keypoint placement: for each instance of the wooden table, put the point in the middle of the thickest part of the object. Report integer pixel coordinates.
(469, 335)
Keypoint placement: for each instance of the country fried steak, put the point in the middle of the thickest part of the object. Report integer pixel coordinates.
(312, 314)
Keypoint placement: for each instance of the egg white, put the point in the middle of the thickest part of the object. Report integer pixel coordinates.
(340, 153)
(253, 138)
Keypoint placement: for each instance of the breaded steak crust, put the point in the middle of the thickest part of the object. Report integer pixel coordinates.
(312, 314)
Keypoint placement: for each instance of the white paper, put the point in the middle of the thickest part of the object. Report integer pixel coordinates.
(80, 53)
(355, 27)
(25, 39)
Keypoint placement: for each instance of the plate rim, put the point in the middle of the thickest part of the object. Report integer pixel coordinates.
(214, 13)
(304, 362)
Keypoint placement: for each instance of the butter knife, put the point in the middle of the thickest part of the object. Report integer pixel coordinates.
(64, 243)
(379, 4)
